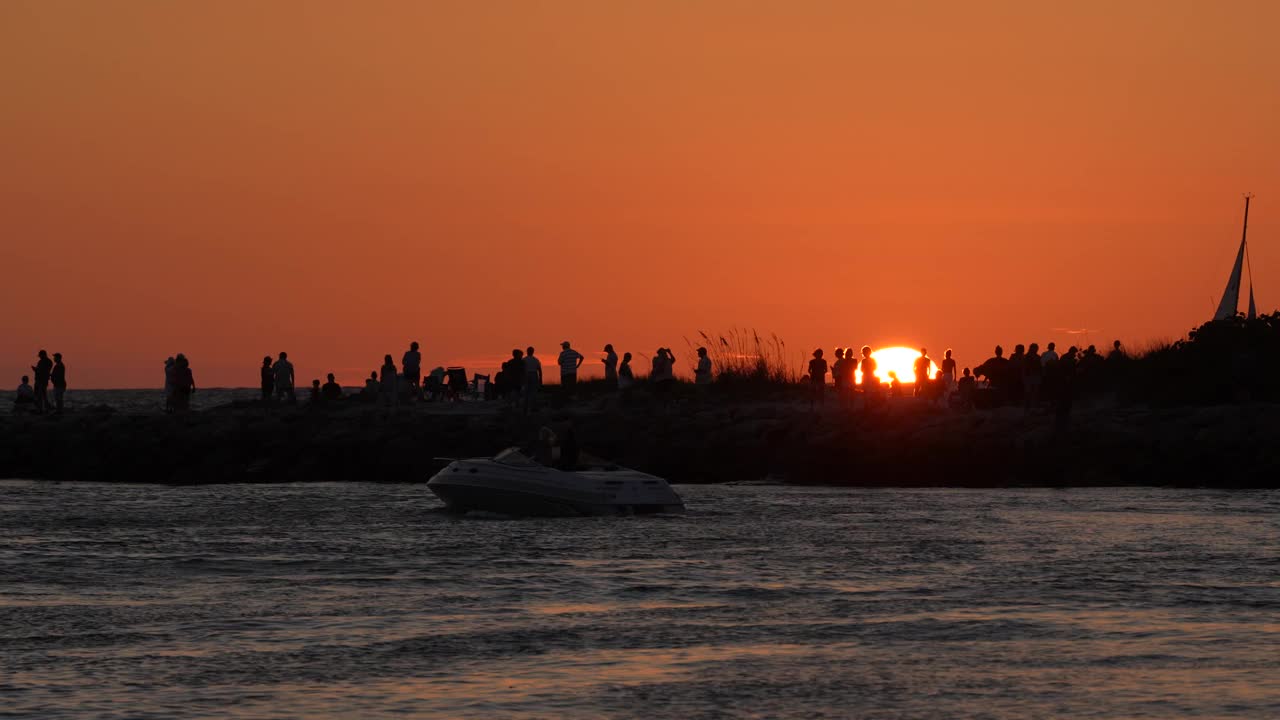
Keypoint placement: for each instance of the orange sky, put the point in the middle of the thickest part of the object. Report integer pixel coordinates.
(335, 179)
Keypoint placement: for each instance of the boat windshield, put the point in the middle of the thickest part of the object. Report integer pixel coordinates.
(513, 456)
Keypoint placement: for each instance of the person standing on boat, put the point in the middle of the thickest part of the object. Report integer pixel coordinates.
(569, 361)
(610, 367)
(532, 380)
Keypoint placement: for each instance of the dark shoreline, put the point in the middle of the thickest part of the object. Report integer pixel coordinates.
(905, 445)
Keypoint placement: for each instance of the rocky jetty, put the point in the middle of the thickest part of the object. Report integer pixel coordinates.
(905, 444)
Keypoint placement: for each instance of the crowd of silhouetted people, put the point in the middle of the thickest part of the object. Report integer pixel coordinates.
(1027, 377)
(48, 372)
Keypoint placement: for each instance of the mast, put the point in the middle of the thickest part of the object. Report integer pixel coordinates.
(1248, 263)
(1231, 296)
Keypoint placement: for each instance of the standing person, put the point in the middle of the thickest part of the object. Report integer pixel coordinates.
(817, 378)
(268, 378)
(702, 372)
(412, 365)
(870, 383)
(284, 378)
(837, 372)
(59, 379)
(532, 380)
(921, 369)
(1064, 388)
(663, 375)
(184, 384)
(569, 361)
(43, 368)
(610, 367)
(388, 391)
(948, 372)
(170, 367)
(513, 377)
(1032, 377)
(626, 376)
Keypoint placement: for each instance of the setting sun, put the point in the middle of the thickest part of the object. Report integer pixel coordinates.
(900, 361)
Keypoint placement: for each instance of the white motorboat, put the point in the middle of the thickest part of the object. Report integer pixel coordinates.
(512, 483)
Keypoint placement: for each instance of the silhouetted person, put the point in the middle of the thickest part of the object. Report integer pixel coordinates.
(1117, 351)
(1013, 385)
(170, 367)
(948, 371)
(331, 391)
(184, 384)
(59, 379)
(370, 391)
(870, 383)
(43, 368)
(532, 380)
(626, 376)
(817, 379)
(315, 393)
(610, 366)
(513, 376)
(837, 372)
(996, 371)
(24, 398)
(921, 368)
(283, 370)
(663, 375)
(1117, 361)
(702, 371)
(1032, 377)
(1065, 383)
(388, 391)
(966, 387)
(268, 379)
(569, 361)
(895, 385)
(412, 367)
(1049, 356)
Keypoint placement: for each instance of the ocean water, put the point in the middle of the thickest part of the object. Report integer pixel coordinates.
(363, 601)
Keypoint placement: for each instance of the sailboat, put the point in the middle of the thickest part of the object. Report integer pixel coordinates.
(1230, 304)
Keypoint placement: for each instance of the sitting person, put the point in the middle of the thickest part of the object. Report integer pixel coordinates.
(331, 392)
(370, 392)
(315, 392)
(24, 397)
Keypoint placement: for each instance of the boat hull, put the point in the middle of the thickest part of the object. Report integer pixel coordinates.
(484, 485)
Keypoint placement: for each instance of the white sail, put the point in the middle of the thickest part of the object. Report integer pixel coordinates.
(1231, 296)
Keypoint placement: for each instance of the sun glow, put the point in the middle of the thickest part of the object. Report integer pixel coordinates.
(900, 361)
